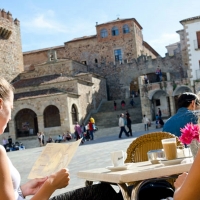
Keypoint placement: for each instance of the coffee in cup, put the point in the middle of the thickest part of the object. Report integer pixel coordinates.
(170, 148)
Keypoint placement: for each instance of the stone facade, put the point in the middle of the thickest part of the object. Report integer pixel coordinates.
(71, 81)
(62, 84)
(40, 56)
(192, 43)
(11, 58)
(96, 50)
(119, 53)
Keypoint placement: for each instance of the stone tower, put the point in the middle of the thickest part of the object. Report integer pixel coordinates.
(11, 57)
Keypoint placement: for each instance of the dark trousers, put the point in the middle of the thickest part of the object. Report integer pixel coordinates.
(146, 127)
(129, 129)
(123, 130)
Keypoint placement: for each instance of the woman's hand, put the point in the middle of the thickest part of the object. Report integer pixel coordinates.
(60, 179)
(31, 187)
(180, 180)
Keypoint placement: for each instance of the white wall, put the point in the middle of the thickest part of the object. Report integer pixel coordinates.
(163, 106)
(194, 55)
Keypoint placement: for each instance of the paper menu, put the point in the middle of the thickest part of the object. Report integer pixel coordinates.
(54, 157)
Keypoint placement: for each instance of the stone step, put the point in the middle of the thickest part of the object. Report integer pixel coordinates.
(109, 105)
(108, 117)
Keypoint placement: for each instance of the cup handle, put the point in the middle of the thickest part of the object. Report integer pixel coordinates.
(125, 155)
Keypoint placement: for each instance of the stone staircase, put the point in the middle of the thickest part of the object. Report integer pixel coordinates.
(108, 117)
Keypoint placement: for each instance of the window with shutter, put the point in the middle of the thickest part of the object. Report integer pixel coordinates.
(198, 39)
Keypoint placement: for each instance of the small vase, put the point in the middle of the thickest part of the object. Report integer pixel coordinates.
(194, 146)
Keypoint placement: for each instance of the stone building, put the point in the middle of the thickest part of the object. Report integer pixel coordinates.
(11, 58)
(118, 52)
(116, 41)
(190, 35)
(51, 97)
(64, 84)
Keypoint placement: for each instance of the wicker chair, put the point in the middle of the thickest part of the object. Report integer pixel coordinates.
(137, 150)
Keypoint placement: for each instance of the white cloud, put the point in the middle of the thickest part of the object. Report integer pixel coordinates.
(44, 22)
(164, 40)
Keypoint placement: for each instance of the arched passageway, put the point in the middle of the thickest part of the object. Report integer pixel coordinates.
(26, 123)
(159, 99)
(51, 116)
(74, 113)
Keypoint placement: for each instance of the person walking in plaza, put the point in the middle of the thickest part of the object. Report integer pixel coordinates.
(122, 126)
(128, 119)
(10, 188)
(91, 130)
(93, 122)
(115, 105)
(145, 120)
(159, 113)
(78, 131)
(123, 103)
(9, 141)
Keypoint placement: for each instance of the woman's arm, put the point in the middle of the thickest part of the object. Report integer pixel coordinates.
(190, 188)
(6, 186)
(55, 181)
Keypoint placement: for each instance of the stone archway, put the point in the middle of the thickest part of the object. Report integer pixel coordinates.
(74, 113)
(159, 99)
(51, 116)
(26, 123)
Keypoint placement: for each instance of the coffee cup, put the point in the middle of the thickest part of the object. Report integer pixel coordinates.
(117, 158)
(170, 148)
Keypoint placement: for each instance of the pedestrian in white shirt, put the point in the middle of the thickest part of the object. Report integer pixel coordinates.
(145, 120)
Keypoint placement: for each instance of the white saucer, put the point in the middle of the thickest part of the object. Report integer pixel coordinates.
(118, 168)
(173, 162)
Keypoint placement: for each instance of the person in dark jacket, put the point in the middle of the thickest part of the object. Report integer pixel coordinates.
(187, 104)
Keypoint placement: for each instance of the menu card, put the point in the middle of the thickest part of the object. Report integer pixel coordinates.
(54, 157)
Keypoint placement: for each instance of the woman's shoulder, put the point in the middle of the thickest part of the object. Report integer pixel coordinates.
(2, 150)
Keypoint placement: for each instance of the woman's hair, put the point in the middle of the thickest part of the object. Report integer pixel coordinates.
(186, 98)
(5, 88)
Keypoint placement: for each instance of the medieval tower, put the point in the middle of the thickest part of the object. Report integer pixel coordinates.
(11, 57)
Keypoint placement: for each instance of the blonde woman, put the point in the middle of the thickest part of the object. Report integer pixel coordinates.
(10, 188)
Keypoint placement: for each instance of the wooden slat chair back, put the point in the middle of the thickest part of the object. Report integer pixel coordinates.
(137, 150)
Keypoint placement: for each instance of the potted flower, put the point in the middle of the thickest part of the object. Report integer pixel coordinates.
(190, 136)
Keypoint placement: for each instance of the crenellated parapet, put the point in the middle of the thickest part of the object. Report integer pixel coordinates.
(8, 16)
(11, 58)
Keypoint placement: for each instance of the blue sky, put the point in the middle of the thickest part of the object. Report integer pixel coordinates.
(47, 23)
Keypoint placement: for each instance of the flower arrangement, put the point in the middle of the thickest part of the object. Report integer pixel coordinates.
(189, 132)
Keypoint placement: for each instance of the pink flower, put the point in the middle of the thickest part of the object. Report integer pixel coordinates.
(189, 132)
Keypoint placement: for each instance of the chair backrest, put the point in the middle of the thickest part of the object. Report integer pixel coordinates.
(137, 150)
